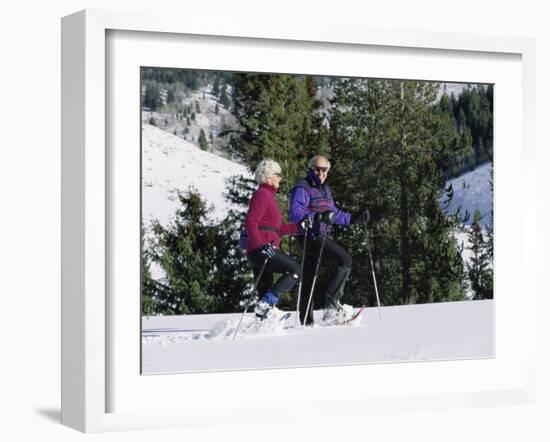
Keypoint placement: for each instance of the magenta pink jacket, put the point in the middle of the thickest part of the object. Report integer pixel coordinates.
(263, 211)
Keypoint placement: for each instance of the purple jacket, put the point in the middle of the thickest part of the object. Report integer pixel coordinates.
(309, 196)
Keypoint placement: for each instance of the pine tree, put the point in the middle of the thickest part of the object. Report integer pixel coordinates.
(203, 144)
(171, 96)
(152, 97)
(389, 145)
(148, 287)
(216, 86)
(479, 268)
(276, 114)
(224, 98)
(203, 272)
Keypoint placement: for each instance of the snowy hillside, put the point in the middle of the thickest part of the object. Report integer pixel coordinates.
(457, 330)
(472, 191)
(208, 113)
(171, 164)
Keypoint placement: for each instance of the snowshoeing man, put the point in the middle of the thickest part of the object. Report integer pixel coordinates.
(264, 228)
(311, 197)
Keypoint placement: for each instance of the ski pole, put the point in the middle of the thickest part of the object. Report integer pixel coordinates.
(372, 269)
(297, 321)
(252, 295)
(315, 277)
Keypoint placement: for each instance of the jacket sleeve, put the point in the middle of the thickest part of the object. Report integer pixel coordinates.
(299, 202)
(256, 211)
(341, 216)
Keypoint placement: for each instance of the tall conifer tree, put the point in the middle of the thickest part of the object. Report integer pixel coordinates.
(389, 147)
(197, 257)
(479, 268)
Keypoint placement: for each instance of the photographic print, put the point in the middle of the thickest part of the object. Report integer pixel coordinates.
(298, 220)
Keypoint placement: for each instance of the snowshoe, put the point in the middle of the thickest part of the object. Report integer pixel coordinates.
(343, 315)
(262, 309)
(268, 302)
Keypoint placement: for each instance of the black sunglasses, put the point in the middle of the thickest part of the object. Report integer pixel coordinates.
(320, 169)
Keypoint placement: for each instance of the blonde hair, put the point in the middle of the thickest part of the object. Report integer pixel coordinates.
(265, 169)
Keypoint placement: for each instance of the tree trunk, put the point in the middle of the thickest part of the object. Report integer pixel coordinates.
(404, 209)
(404, 240)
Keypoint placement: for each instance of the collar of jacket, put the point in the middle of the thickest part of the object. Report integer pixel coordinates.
(268, 187)
(313, 179)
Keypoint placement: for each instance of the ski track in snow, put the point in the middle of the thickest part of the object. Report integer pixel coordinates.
(250, 327)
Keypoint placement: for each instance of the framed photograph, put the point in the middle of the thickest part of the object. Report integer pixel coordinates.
(158, 173)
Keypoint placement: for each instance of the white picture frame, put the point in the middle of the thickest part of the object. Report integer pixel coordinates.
(87, 358)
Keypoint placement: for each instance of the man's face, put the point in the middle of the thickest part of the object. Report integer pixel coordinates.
(321, 168)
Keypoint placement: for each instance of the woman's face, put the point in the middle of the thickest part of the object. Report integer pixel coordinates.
(275, 180)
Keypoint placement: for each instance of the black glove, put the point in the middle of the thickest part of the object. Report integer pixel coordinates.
(327, 217)
(267, 250)
(305, 224)
(361, 217)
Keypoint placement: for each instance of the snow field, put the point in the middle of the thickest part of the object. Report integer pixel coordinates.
(457, 330)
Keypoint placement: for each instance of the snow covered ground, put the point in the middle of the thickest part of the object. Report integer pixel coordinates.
(457, 330)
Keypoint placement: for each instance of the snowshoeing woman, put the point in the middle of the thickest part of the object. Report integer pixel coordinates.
(265, 228)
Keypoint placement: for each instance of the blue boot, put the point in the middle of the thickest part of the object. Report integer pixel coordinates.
(268, 301)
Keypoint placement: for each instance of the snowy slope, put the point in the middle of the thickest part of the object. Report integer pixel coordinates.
(170, 164)
(203, 104)
(472, 191)
(458, 330)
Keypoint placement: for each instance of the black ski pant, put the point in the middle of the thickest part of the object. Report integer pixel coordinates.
(279, 263)
(333, 253)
